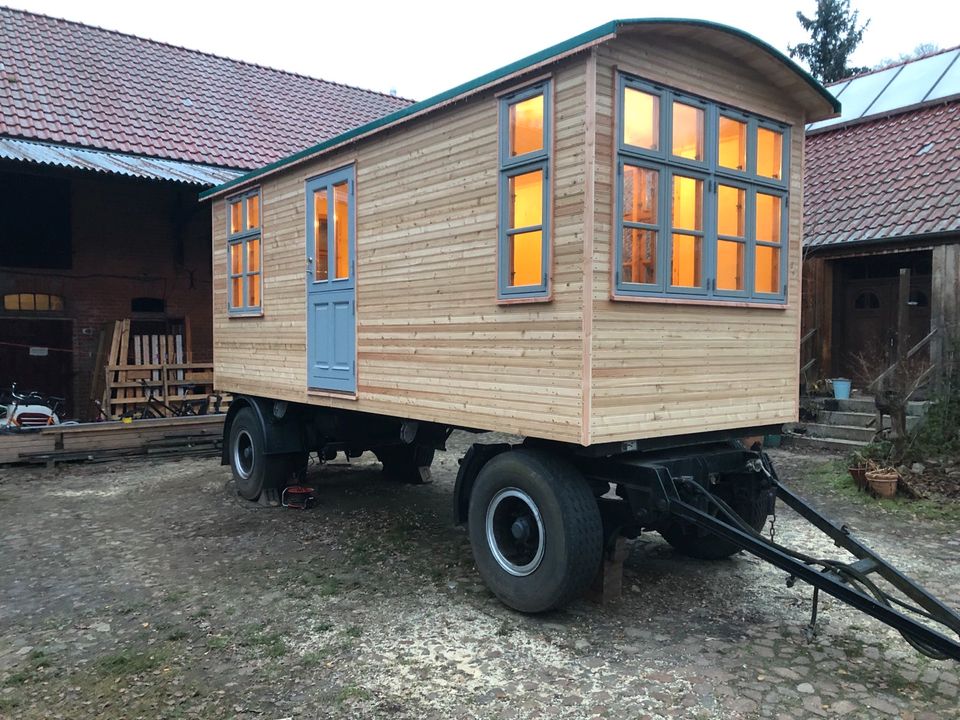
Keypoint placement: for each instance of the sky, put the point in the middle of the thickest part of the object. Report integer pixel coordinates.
(418, 49)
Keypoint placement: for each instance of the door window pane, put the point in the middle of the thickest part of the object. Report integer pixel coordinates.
(687, 203)
(731, 210)
(253, 255)
(641, 119)
(526, 199)
(526, 126)
(639, 255)
(640, 195)
(732, 144)
(768, 217)
(253, 212)
(526, 258)
(687, 261)
(729, 265)
(767, 269)
(341, 225)
(688, 131)
(320, 233)
(236, 217)
(769, 153)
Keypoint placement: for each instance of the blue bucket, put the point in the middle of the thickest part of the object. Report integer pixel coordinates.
(841, 389)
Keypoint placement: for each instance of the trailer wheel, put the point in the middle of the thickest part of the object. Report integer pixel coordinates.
(403, 463)
(535, 530)
(691, 541)
(253, 470)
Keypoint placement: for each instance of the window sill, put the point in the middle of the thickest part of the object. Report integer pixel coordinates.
(340, 394)
(245, 314)
(615, 297)
(522, 300)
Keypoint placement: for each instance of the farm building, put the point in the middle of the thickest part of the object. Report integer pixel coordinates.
(882, 191)
(105, 141)
(600, 242)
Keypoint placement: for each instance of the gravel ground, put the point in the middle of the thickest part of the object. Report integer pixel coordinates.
(147, 589)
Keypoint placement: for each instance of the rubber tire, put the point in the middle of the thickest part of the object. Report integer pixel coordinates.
(686, 539)
(269, 471)
(572, 529)
(402, 463)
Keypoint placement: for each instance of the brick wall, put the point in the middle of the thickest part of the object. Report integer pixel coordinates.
(130, 239)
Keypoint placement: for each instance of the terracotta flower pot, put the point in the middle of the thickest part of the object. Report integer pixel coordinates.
(883, 483)
(859, 475)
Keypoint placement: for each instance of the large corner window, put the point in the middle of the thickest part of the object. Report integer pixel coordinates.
(243, 253)
(524, 233)
(702, 198)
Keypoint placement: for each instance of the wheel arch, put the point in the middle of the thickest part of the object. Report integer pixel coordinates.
(282, 435)
(470, 466)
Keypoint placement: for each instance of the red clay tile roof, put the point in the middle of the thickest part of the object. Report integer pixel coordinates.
(69, 83)
(890, 178)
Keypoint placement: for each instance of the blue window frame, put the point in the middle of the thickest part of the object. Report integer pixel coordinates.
(244, 259)
(702, 198)
(524, 194)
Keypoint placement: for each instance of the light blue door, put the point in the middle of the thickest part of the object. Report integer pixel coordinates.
(331, 282)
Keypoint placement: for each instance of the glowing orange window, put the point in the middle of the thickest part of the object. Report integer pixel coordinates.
(524, 171)
(244, 253)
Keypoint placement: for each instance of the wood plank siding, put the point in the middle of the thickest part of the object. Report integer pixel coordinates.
(661, 368)
(434, 343)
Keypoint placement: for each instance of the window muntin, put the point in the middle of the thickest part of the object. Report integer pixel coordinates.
(720, 228)
(525, 119)
(244, 253)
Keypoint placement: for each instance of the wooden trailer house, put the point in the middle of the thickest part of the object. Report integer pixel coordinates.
(597, 247)
(599, 242)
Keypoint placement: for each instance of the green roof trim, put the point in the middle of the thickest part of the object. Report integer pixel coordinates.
(587, 38)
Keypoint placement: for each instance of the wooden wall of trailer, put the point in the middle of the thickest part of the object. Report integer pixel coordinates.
(433, 343)
(661, 368)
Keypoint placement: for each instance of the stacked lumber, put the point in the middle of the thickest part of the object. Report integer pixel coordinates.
(110, 440)
(162, 362)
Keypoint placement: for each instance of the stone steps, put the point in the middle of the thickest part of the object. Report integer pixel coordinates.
(845, 425)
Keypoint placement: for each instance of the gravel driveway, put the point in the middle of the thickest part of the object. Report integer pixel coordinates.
(147, 589)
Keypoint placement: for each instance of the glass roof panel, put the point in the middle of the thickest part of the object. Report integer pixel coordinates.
(913, 83)
(949, 84)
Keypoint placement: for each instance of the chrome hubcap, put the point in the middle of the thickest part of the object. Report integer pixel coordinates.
(243, 454)
(515, 531)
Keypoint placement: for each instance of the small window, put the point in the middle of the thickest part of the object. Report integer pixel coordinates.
(918, 298)
(32, 302)
(524, 193)
(147, 305)
(732, 144)
(867, 300)
(769, 153)
(688, 125)
(243, 253)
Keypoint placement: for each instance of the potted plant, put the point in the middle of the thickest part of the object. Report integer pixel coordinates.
(883, 481)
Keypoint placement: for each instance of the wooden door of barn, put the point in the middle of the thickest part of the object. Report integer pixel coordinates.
(36, 354)
(868, 337)
(331, 282)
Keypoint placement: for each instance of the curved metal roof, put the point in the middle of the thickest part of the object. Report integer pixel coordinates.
(555, 52)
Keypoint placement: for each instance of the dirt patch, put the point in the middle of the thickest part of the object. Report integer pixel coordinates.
(147, 589)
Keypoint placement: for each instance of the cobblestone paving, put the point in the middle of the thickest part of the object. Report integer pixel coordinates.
(146, 589)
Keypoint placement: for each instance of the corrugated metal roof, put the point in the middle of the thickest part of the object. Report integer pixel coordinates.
(934, 78)
(113, 163)
(574, 44)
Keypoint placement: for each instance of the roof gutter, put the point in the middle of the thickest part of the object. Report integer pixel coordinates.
(573, 45)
